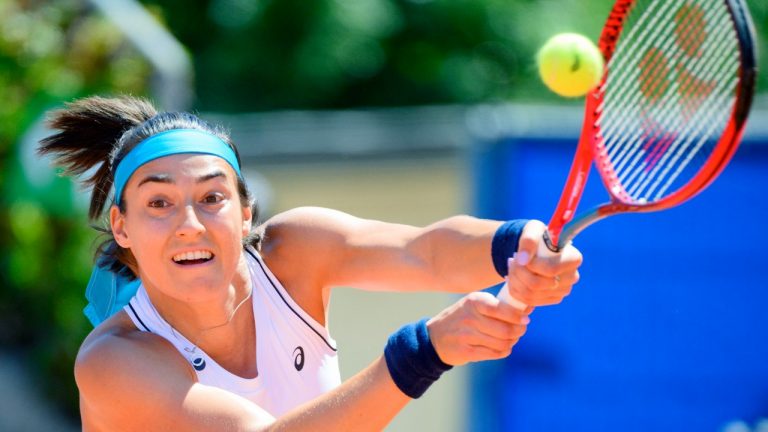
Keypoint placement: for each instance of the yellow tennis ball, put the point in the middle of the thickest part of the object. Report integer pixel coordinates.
(570, 64)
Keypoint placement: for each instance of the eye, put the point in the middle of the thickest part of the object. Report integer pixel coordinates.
(158, 203)
(213, 198)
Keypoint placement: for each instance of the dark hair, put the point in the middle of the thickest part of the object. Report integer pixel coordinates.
(98, 132)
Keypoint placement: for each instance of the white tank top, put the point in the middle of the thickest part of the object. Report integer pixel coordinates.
(296, 356)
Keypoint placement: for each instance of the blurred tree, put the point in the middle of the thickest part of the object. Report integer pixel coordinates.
(266, 54)
(49, 52)
(249, 55)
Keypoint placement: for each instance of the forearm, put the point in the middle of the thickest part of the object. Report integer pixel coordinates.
(337, 249)
(459, 253)
(367, 401)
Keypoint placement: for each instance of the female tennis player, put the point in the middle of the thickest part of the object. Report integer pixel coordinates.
(226, 329)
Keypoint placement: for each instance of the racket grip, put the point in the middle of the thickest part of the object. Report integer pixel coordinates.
(545, 250)
(507, 298)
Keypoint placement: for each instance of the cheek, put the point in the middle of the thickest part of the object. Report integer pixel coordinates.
(146, 235)
(235, 230)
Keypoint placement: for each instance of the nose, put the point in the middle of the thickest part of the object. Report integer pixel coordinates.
(190, 225)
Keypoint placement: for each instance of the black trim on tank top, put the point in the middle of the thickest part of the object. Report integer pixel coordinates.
(146, 329)
(288, 304)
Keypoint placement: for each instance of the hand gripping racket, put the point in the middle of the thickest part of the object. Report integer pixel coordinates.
(668, 113)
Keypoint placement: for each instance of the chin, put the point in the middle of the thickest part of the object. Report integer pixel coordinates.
(203, 289)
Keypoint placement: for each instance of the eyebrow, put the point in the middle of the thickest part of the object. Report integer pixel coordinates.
(167, 179)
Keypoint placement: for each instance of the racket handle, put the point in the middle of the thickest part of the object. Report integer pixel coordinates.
(545, 250)
(507, 298)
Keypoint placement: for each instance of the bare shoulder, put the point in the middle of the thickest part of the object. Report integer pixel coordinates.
(302, 248)
(117, 343)
(313, 221)
(124, 374)
(133, 380)
(305, 236)
(317, 231)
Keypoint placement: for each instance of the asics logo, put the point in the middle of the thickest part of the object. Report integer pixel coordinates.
(298, 358)
(198, 364)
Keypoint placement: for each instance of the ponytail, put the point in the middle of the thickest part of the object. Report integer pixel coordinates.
(89, 130)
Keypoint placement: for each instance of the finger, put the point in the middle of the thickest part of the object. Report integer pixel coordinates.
(510, 337)
(489, 306)
(522, 282)
(569, 278)
(528, 244)
(531, 279)
(551, 299)
(540, 292)
(568, 259)
(501, 330)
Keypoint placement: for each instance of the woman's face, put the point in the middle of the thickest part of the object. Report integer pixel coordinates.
(184, 224)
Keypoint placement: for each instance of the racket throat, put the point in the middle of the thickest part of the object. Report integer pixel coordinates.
(551, 245)
(577, 180)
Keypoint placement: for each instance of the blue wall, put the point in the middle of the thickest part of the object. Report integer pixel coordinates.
(667, 329)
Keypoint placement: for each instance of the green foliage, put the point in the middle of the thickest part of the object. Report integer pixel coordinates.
(49, 52)
(260, 55)
(249, 55)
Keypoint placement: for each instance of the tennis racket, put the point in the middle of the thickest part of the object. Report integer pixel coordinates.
(668, 113)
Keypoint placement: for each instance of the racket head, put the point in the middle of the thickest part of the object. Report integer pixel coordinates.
(671, 108)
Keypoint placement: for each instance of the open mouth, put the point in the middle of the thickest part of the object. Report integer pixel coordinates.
(192, 258)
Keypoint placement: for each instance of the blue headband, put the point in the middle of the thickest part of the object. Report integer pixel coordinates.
(176, 141)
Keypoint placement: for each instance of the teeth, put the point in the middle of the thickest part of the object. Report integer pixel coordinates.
(194, 255)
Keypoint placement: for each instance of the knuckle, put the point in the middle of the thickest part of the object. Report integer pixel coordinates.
(523, 330)
(507, 347)
(469, 351)
(473, 296)
(579, 258)
(513, 333)
(476, 299)
(536, 225)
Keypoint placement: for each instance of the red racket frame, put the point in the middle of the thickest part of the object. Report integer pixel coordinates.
(563, 227)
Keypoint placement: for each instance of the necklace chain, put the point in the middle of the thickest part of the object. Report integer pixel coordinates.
(193, 350)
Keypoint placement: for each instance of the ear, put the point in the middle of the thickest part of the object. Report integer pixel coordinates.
(247, 220)
(117, 223)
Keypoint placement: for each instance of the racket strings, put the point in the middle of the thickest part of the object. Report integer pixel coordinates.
(641, 169)
(708, 121)
(627, 143)
(681, 150)
(621, 82)
(652, 129)
(711, 123)
(669, 93)
(649, 30)
(627, 137)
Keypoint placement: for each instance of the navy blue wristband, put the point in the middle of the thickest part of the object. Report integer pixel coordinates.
(505, 242)
(412, 360)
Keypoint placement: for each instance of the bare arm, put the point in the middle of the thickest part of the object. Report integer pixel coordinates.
(366, 402)
(451, 255)
(130, 380)
(137, 381)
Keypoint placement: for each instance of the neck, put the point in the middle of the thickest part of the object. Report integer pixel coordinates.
(211, 323)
